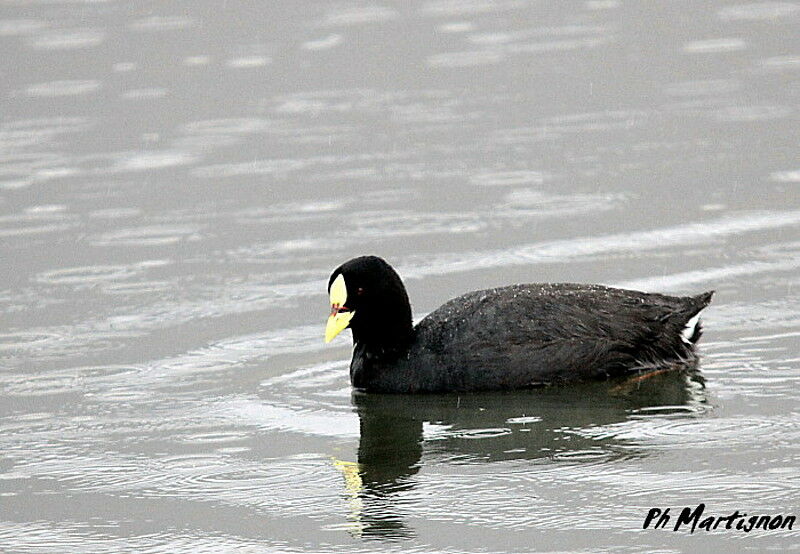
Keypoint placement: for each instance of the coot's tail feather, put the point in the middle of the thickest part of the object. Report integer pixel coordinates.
(703, 300)
(694, 327)
(697, 332)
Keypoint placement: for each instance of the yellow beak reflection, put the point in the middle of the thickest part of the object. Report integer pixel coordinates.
(338, 320)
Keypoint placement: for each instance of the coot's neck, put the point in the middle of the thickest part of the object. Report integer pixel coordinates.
(384, 338)
(381, 338)
(373, 363)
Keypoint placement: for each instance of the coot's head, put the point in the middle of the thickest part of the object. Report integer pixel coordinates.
(367, 295)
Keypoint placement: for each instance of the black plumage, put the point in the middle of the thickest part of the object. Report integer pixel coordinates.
(509, 337)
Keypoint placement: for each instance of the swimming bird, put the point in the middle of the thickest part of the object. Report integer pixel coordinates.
(509, 337)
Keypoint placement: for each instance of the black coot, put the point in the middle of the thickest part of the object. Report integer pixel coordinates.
(505, 338)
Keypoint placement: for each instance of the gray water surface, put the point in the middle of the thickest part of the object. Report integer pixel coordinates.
(177, 181)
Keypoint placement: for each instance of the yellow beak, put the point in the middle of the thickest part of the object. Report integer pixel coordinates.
(336, 324)
(338, 321)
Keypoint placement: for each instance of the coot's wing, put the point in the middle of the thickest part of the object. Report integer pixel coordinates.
(530, 334)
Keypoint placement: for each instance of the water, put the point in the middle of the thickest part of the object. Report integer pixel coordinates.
(178, 180)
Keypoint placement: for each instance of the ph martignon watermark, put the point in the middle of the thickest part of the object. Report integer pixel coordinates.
(692, 519)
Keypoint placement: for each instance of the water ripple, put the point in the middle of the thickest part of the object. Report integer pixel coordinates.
(709, 275)
(150, 235)
(161, 23)
(347, 16)
(63, 88)
(91, 275)
(716, 45)
(287, 418)
(690, 233)
(72, 39)
(20, 27)
(447, 8)
(759, 11)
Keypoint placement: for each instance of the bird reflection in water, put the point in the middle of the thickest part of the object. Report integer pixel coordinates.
(547, 425)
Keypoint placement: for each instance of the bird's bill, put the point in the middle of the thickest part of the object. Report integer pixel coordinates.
(336, 324)
(339, 319)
